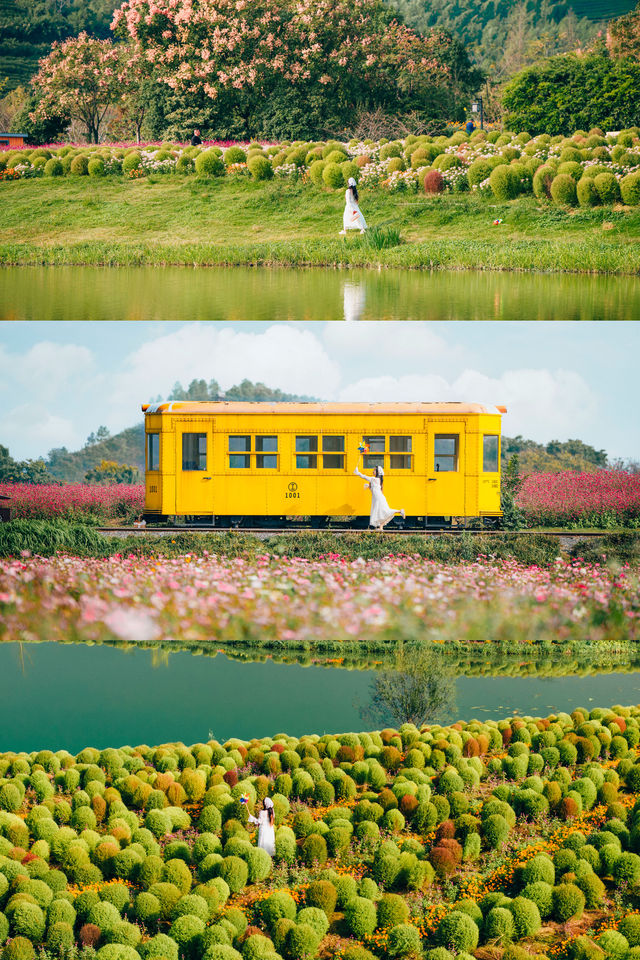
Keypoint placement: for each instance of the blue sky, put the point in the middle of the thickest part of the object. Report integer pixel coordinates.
(60, 380)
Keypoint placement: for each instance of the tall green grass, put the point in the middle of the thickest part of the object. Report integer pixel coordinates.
(46, 538)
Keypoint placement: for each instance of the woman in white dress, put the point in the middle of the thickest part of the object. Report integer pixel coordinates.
(266, 830)
(381, 512)
(352, 218)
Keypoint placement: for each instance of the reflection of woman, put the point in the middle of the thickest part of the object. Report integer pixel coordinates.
(266, 831)
(381, 512)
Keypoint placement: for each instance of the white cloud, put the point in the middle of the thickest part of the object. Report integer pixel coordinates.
(382, 340)
(47, 368)
(31, 430)
(282, 356)
(541, 404)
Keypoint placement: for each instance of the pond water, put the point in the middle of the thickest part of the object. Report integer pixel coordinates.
(66, 696)
(259, 295)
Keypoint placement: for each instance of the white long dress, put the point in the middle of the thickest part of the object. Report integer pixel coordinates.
(381, 512)
(352, 218)
(266, 832)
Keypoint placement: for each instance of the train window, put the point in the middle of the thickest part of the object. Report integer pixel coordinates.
(446, 452)
(306, 453)
(239, 458)
(400, 453)
(267, 453)
(153, 451)
(266, 444)
(239, 444)
(490, 447)
(375, 457)
(194, 451)
(333, 453)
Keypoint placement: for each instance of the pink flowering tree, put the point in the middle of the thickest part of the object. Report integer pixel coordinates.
(80, 78)
(236, 62)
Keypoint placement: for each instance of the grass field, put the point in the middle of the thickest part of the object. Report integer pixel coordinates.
(173, 220)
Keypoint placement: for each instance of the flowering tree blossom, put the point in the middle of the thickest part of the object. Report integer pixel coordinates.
(233, 55)
(79, 77)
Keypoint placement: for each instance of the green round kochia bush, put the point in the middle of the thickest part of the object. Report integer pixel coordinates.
(404, 941)
(222, 951)
(609, 192)
(322, 894)
(235, 873)
(302, 942)
(499, 925)
(4, 928)
(593, 889)
(505, 183)
(20, 948)
(278, 905)
(526, 916)
(185, 930)
(537, 868)
(563, 189)
(542, 180)
(626, 868)
(159, 946)
(54, 168)
(10, 797)
(630, 191)
(147, 908)
(478, 171)
(572, 168)
(392, 909)
(458, 931)
(614, 944)
(117, 951)
(61, 911)
(586, 192)
(568, 902)
(495, 830)
(131, 162)
(104, 915)
(541, 894)
(336, 156)
(316, 918)
(260, 168)
(314, 850)
(183, 165)
(96, 167)
(332, 176)
(208, 164)
(28, 920)
(629, 927)
(234, 155)
(79, 168)
(360, 917)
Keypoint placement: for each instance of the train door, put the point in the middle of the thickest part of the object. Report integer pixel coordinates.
(446, 468)
(194, 456)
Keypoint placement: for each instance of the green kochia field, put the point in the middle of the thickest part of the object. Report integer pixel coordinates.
(513, 839)
(165, 219)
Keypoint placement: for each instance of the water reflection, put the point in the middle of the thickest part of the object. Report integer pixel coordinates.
(73, 695)
(418, 688)
(354, 299)
(262, 295)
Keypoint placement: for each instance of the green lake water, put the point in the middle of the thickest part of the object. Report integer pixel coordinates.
(259, 294)
(70, 696)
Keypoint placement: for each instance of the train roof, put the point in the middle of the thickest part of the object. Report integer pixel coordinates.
(234, 407)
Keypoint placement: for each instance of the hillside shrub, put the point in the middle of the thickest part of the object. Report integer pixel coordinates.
(563, 189)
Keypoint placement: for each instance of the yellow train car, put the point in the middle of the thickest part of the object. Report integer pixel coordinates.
(237, 463)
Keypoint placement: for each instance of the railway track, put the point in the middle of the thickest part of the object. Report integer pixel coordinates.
(567, 538)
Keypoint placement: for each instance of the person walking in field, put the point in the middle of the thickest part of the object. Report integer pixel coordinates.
(381, 512)
(352, 218)
(266, 831)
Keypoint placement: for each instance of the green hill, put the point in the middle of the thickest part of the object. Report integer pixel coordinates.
(29, 27)
(506, 35)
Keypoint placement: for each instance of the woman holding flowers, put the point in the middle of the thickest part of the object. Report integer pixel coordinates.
(266, 831)
(352, 218)
(381, 512)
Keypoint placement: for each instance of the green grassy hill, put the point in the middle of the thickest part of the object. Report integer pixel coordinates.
(29, 27)
(505, 35)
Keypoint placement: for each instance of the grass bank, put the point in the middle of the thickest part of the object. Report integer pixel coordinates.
(47, 537)
(169, 220)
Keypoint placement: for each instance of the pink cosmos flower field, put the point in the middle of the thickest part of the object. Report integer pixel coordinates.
(605, 497)
(74, 500)
(321, 605)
